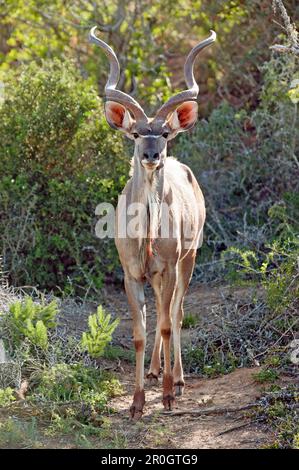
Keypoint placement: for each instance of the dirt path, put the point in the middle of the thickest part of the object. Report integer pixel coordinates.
(159, 429)
(164, 430)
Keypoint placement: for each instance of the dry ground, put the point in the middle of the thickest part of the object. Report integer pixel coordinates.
(159, 429)
(167, 430)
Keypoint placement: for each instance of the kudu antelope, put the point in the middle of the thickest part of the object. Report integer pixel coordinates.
(170, 194)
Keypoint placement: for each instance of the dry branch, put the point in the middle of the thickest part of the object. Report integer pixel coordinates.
(213, 410)
(235, 428)
(290, 29)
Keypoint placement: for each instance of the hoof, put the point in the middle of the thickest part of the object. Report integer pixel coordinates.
(168, 402)
(152, 379)
(135, 414)
(179, 388)
(168, 397)
(136, 410)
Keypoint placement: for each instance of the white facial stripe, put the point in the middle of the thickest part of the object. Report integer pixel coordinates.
(150, 136)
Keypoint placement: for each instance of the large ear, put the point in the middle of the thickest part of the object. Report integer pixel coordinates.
(184, 117)
(118, 117)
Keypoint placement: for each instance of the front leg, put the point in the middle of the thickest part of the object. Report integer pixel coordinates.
(155, 364)
(135, 294)
(169, 283)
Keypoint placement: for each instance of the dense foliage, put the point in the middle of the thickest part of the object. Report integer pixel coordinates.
(60, 159)
(54, 370)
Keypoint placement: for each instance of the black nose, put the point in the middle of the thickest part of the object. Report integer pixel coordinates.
(151, 156)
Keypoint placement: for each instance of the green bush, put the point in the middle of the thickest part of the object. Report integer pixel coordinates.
(14, 433)
(245, 161)
(75, 382)
(56, 365)
(275, 268)
(6, 396)
(100, 333)
(189, 320)
(277, 411)
(59, 161)
(266, 375)
(211, 362)
(31, 320)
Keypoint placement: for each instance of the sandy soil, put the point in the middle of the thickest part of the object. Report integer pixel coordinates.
(160, 429)
(166, 430)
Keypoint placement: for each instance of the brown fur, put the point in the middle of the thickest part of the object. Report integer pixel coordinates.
(167, 384)
(168, 266)
(151, 376)
(166, 332)
(180, 383)
(157, 181)
(170, 196)
(139, 345)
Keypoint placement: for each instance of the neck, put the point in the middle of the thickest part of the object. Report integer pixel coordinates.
(147, 189)
(146, 183)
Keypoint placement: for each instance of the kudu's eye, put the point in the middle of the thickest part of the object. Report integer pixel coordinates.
(165, 135)
(135, 135)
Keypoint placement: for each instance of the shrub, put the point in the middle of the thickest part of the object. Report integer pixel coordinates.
(75, 382)
(59, 377)
(6, 396)
(245, 161)
(116, 353)
(277, 411)
(189, 320)
(100, 333)
(210, 362)
(59, 161)
(27, 319)
(14, 433)
(266, 375)
(275, 268)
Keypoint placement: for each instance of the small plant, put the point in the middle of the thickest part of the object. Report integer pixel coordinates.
(113, 353)
(273, 360)
(100, 333)
(14, 433)
(87, 435)
(31, 320)
(278, 411)
(210, 363)
(62, 425)
(189, 321)
(76, 383)
(266, 375)
(6, 396)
